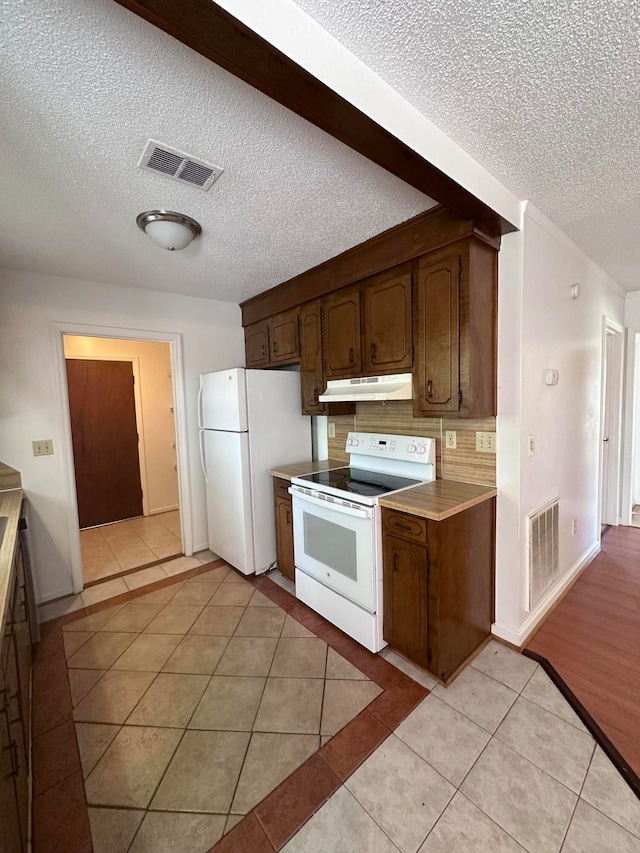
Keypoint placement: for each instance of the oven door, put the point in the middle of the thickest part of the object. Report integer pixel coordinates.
(335, 544)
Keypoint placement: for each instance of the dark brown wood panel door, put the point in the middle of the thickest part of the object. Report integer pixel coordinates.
(311, 376)
(256, 343)
(438, 336)
(341, 330)
(405, 598)
(284, 530)
(285, 344)
(105, 440)
(387, 325)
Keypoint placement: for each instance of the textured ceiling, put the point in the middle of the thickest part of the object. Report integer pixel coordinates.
(545, 95)
(86, 84)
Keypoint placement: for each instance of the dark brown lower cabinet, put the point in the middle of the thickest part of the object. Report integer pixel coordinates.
(284, 528)
(438, 585)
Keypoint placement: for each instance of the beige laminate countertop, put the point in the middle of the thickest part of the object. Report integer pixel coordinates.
(436, 501)
(10, 504)
(286, 472)
(439, 499)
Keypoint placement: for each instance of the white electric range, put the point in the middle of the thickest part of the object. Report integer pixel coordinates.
(337, 528)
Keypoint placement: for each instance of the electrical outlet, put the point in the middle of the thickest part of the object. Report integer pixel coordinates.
(485, 442)
(574, 526)
(531, 445)
(332, 430)
(44, 447)
(450, 439)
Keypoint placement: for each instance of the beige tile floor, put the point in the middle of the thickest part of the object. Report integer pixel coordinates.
(115, 548)
(191, 703)
(496, 763)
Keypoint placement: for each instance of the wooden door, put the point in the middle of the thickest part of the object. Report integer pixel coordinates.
(405, 598)
(387, 325)
(311, 376)
(438, 336)
(341, 332)
(105, 440)
(256, 343)
(10, 841)
(285, 344)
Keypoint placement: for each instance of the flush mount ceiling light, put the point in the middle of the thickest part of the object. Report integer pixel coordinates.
(168, 229)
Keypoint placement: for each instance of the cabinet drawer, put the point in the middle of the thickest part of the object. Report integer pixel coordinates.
(405, 526)
(281, 488)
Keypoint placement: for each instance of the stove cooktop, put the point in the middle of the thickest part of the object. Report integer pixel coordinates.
(358, 481)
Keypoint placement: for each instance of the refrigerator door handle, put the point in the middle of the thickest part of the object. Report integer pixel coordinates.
(200, 414)
(202, 459)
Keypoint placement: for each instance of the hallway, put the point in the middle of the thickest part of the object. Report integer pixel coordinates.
(592, 639)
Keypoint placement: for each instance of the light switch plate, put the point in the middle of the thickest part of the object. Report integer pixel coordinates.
(332, 430)
(44, 447)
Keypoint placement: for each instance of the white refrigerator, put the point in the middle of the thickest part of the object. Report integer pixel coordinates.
(249, 421)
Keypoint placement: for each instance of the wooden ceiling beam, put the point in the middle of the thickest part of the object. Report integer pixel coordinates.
(215, 34)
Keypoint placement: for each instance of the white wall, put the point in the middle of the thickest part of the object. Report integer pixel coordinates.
(31, 398)
(156, 424)
(554, 331)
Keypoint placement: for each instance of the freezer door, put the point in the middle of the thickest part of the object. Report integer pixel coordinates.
(229, 517)
(223, 400)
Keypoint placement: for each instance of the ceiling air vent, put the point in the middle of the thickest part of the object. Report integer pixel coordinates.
(179, 166)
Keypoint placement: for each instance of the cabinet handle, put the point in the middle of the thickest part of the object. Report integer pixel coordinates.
(352, 357)
(429, 389)
(402, 525)
(395, 562)
(275, 346)
(262, 349)
(288, 516)
(315, 395)
(373, 352)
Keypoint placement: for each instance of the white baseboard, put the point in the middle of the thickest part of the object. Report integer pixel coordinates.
(162, 509)
(518, 637)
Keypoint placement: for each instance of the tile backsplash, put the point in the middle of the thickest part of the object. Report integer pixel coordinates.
(396, 417)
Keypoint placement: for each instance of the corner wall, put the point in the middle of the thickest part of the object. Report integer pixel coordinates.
(31, 404)
(540, 327)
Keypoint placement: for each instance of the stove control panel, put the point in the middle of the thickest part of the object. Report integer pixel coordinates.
(401, 447)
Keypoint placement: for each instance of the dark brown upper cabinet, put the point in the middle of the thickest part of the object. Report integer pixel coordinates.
(455, 332)
(341, 334)
(256, 343)
(386, 314)
(273, 341)
(311, 375)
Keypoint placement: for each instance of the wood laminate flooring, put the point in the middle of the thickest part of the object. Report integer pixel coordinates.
(592, 639)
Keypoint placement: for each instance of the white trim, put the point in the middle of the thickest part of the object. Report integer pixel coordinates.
(174, 339)
(517, 638)
(137, 396)
(609, 508)
(551, 228)
(164, 509)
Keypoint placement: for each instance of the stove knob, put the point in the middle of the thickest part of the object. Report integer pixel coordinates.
(354, 442)
(411, 448)
(422, 449)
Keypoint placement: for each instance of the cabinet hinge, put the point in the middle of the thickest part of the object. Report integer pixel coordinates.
(459, 398)
(459, 268)
(428, 564)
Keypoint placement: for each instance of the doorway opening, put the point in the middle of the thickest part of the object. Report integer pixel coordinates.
(611, 427)
(123, 434)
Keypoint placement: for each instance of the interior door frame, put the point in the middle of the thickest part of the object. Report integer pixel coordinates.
(177, 377)
(609, 493)
(137, 396)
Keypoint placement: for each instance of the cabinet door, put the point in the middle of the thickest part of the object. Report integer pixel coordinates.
(284, 533)
(17, 744)
(311, 376)
(10, 841)
(438, 336)
(256, 342)
(387, 325)
(341, 334)
(22, 645)
(405, 598)
(284, 341)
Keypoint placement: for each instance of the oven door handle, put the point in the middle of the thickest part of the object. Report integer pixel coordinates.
(365, 512)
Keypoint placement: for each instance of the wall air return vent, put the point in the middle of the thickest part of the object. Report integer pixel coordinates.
(543, 551)
(179, 166)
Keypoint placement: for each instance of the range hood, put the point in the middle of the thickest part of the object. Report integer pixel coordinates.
(397, 387)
